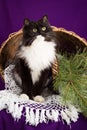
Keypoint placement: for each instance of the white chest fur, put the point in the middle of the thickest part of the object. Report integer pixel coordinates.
(38, 56)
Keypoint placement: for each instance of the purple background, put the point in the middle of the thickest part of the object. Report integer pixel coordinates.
(69, 14)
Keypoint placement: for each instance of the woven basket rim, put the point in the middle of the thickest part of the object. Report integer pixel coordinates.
(70, 33)
(20, 32)
(60, 29)
(9, 38)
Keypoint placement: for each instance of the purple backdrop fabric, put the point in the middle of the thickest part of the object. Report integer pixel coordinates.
(7, 123)
(71, 15)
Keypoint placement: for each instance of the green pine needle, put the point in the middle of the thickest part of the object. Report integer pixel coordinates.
(71, 81)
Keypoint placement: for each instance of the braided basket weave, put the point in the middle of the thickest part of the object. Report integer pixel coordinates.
(68, 40)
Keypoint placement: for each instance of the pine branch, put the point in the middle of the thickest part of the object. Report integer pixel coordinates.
(71, 81)
(79, 94)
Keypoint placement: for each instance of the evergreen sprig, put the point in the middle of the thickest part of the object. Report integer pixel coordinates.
(71, 80)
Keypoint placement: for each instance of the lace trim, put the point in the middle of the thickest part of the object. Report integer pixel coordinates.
(52, 109)
(10, 84)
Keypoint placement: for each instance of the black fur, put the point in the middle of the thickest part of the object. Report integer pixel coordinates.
(21, 68)
(29, 35)
(27, 85)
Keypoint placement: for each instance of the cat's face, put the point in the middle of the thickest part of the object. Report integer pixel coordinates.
(41, 27)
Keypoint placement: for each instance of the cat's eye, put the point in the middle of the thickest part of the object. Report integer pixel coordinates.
(43, 28)
(34, 30)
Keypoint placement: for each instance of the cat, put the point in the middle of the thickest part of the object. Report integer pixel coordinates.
(34, 58)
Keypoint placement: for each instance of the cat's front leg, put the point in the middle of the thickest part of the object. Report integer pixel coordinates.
(22, 71)
(27, 89)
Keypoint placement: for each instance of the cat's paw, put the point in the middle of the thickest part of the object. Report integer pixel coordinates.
(24, 98)
(39, 98)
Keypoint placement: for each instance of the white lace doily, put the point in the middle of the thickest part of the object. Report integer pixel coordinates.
(34, 113)
(10, 84)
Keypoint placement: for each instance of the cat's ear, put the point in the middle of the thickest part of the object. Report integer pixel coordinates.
(26, 21)
(45, 19)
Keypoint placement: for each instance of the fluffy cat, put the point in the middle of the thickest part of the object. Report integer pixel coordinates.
(34, 58)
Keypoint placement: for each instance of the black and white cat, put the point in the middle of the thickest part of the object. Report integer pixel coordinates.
(34, 58)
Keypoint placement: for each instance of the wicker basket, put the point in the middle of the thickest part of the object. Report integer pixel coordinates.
(69, 43)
